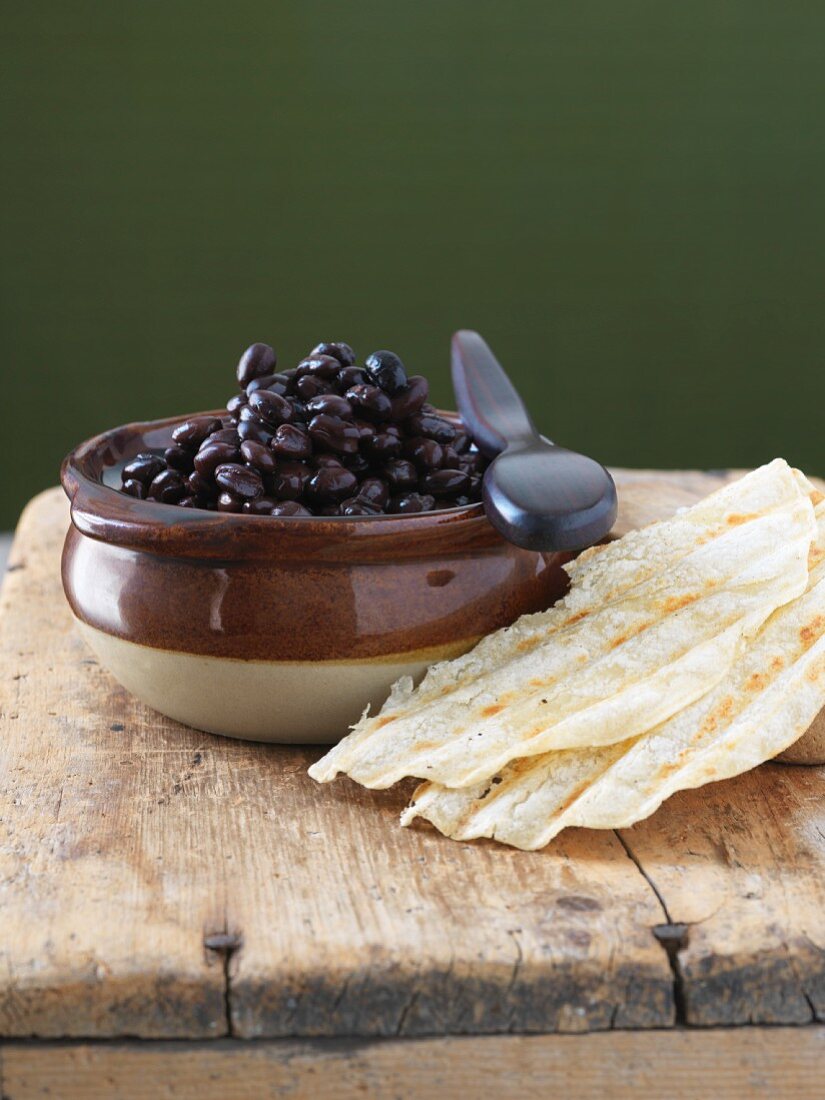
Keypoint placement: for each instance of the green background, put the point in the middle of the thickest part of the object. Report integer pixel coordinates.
(626, 198)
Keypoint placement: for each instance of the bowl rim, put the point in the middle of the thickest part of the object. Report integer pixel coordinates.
(102, 512)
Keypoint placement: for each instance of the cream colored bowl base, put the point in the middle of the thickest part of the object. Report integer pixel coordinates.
(287, 702)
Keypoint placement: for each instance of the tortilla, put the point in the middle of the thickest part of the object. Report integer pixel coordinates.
(769, 697)
(651, 623)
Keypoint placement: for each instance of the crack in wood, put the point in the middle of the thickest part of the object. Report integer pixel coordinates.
(59, 804)
(798, 977)
(673, 936)
(405, 1011)
(225, 944)
(513, 933)
(631, 855)
(343, 992)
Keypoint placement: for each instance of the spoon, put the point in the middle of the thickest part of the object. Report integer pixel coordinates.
(538, 495)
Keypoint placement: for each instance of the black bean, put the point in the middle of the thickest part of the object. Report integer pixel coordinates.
(445, 483)
(143, 467)
(411, 502)
(134, 488)
(369, 402)
(386, 370)
(299, 411)
(340, 351)
(322, 366)
(270, 407)
(288, 481)
(246, 414)
(329, 484)
(258, 359)
(351, 376)
(302, 370)
(357, 463)
(433, 427)
(282, 376)
(194, 431)
(410, 400)
(235, 404)
(461, 441)
(471, 462)
(333, 433)
(357, 506)
(331, 404)
(290, 508)
(401, 474)
(188, 502)
(168, 487)
(318, 366)
(225, 435)
(290, 441)
(365, 429)
(179, 458)
(320, 461)
(382, 447)
(229, 503)
(212, 455)
(309, 386)
(255, 430)
(451, 459)
(199, 485)
(241, 481)
(261, 507)
(257, 455)
(375, 491)
(276, 383)
(425, 453)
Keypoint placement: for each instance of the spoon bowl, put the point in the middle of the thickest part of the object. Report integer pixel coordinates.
(539, 495)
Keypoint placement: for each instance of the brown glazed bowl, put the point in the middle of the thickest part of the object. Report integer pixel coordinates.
(278, 629)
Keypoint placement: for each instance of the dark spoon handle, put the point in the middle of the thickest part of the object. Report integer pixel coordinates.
(489, 406)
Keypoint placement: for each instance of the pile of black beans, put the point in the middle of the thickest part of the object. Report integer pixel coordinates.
(325, 438)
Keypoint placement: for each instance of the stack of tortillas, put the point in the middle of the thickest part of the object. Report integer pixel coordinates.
(686, 652)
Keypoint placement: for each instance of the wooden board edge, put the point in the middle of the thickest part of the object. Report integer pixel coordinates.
(747, 1062)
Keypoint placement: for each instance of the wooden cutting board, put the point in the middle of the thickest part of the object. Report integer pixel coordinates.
(157, 882)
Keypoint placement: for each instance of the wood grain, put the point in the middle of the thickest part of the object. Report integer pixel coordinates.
(159, 882)
(729, 1064)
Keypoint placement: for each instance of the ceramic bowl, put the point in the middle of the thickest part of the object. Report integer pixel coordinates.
(278, 629)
